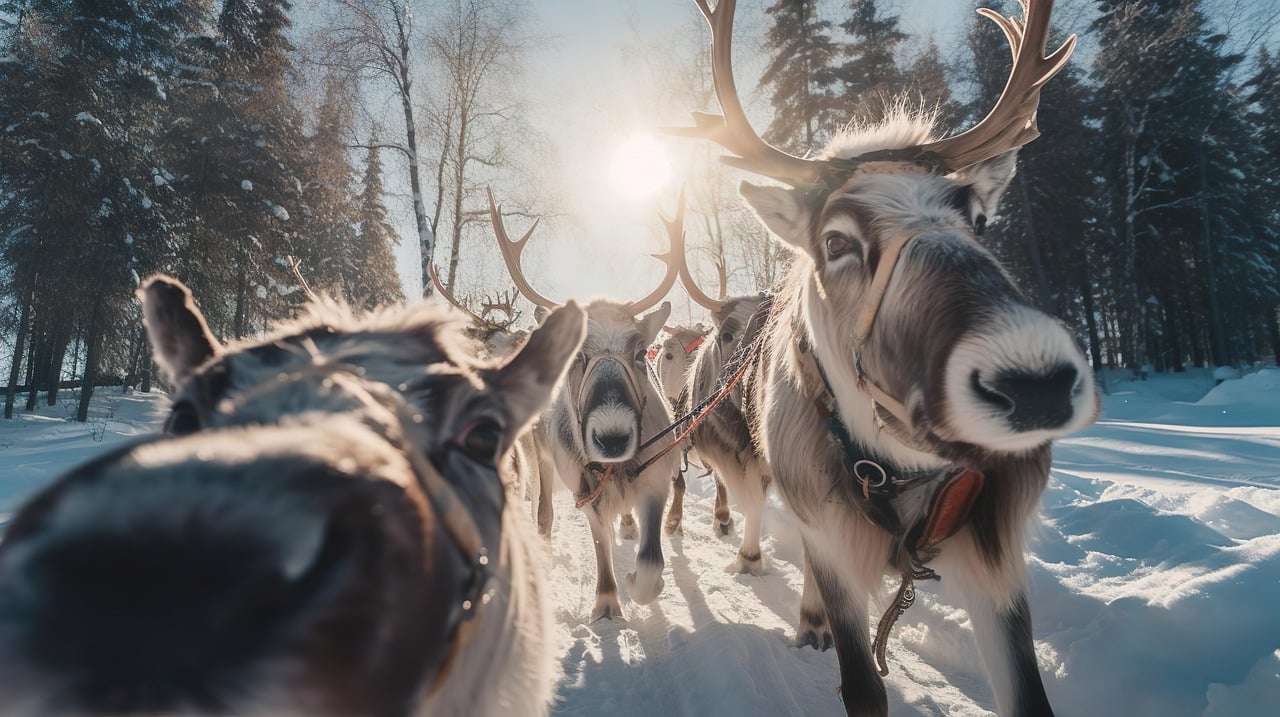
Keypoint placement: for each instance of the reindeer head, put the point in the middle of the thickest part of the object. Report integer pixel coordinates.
(314, 537)
(902, 302)
(609, 385)
(673, 357)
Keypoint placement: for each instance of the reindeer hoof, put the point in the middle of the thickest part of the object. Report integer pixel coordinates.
(627, 529)
(722, 528)
(746, 566)
(673, 526)
(641, 593)
(607, 608)
(817, 637)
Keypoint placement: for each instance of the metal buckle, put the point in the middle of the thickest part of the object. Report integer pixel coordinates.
(867, 480)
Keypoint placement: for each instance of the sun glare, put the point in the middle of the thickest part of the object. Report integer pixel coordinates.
(640, 167)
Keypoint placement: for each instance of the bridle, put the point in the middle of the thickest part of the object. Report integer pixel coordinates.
(880, 398)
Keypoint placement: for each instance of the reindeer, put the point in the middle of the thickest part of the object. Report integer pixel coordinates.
(723, 440)
(609, 402)
(323, 533)
(904, 392)
(673, 357)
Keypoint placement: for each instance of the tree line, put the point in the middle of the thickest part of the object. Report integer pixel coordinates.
(1145, 216)
(194, 137)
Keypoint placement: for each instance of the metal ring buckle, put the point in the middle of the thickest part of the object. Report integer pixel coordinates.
(867, 483)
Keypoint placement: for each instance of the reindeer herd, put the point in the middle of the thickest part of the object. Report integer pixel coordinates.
(332, 523)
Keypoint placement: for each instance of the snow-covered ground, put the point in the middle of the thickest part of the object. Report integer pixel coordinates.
(1155, 578)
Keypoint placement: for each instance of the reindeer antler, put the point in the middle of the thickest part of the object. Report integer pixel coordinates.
(1010, 124)
(675, 235)
(731, 129)
(448, 296)
(512, 251)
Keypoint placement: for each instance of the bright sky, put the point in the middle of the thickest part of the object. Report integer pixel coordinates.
(591, 96)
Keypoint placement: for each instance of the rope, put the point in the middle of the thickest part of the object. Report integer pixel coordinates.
(595, 492)
(714, 402)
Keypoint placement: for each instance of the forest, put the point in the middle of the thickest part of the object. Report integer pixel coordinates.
(263, 151)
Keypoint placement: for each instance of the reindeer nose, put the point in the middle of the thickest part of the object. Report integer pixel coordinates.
(612, 445)
(1031, 401)
(154, 609)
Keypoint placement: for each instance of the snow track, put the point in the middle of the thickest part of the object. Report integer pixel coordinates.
(1155, 579)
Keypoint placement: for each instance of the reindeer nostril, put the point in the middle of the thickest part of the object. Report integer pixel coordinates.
(612, 445)
(1040, 400)
(995, 399)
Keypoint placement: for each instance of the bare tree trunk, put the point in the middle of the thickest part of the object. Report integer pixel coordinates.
(1217, 335)
(459, 180)
(92, 342)
(1090, 318)
(56, 361)
(33, 361)
(15, 371)
(1273, 328)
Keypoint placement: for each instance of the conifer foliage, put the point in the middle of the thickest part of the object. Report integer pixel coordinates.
(160, 135)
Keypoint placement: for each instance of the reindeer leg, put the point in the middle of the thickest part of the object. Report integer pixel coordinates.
(546, 510)
(645, 582)
(750, 495)
(996, 598)
(627, 527)
(861, 688)
(676, 514)
(607, 605)
(723, 521)
(813, 631)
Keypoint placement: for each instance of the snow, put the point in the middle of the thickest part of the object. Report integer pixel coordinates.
(246, 185)
(86, 118)
(1154, 578)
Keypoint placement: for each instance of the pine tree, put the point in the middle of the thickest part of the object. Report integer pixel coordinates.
(800, 75)
(326, 241)
(240, 157)
(1183, 208)
(372, 279)
(870, 76)
(926, 81)
(86, 90)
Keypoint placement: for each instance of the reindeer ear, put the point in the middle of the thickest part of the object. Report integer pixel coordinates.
(982, 185)
(786, 212)
(652, 322)
(178, 332)
(530, 378)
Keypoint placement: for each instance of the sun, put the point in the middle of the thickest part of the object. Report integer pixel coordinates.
(640, 167)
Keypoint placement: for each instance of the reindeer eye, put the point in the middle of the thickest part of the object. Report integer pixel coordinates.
(183, 419)
(482, 440)
(640, 355)
(726, 336)
(670, 357)
(837, 244)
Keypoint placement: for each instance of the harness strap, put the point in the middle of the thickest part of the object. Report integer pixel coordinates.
(879, 286)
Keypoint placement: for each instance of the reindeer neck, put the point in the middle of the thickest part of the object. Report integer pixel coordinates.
(813, 330)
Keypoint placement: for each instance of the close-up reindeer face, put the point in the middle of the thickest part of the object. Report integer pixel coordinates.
(312, 541)
(904, 287)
